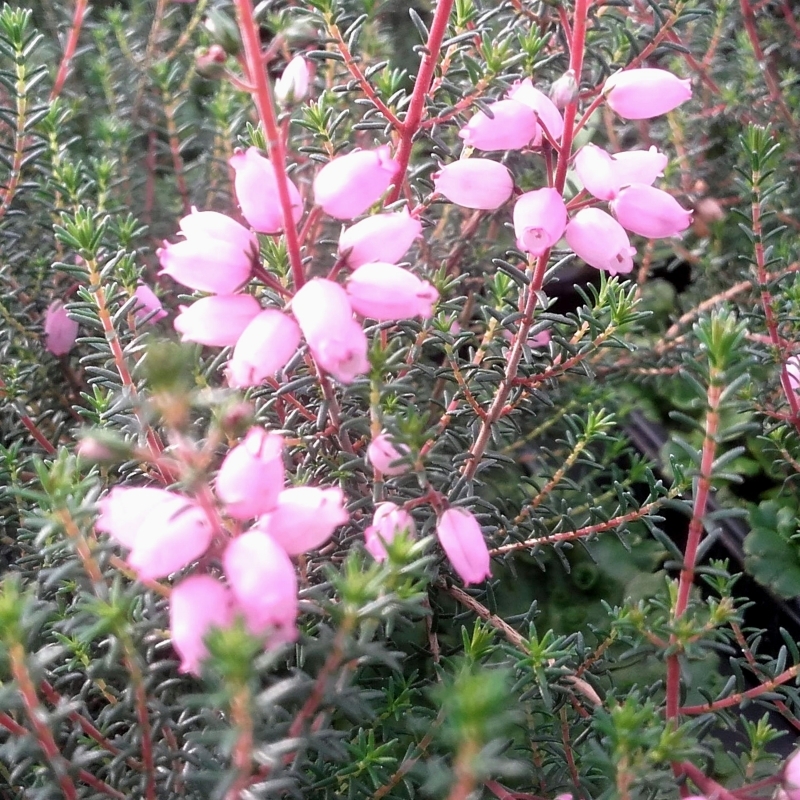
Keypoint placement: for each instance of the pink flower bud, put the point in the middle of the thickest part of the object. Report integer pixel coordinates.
(292, 86)
(600, 241)
(595, 168)
(539, 220)
(564, 90)
(196, 605)
(263, 583)
(148, 307)
(638, 166)
(650, 212)
(384, 455)
(257, 192)
(387, 292)
(335, 339)
(461, 537)
(217, 255)
(645, 93)
(218, 320)
(305, 518)
(264, 347)
(348, 185)
(381, 237)
(545, 109)
(252, 475)
(475, 183)
(388, 521)
(512, 126)
(60, 331)
(790, 777)
(793, 371)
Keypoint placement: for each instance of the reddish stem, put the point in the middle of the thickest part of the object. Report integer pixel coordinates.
(69, 50)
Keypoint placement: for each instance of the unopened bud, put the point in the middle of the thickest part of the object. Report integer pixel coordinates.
(236, 419)
(102, 447)
(564, 90)
(223, 31)
(292, 86)
(210, 62)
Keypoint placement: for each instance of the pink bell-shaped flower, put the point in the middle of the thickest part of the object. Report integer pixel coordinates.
(383, 454)
(638, 166)
(512, 126)
(348, 185)
(381, 237)
(148, 307)
(196, 605)
(217, 255)
(265, 346)
(218, 320)
(336, 340)
(461, 537)
(645, 93)
(305, 518)
(386, 292)
(124, 508)
(790, 777)
(475, 183)
(540, 217)
(545, 109)
(650, 212)
(264, 585)
(389, 520)
(252, 475)
(600, 241)
(595, 168)
(793, 371)
(60, 331)
(257, 192)
(292, 86)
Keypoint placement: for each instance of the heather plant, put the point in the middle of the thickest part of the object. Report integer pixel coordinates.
(399, 400)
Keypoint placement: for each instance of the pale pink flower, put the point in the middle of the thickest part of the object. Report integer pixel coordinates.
(292, 86)
(196, 605)
(545, 109)
(650, 212)
(639, 166)
(252, 475)
(790, 777)
(264, 347)
(305, 518)
(793, 371)
(256, 189)
(462, 539)
(475, 183)
(218, 320)
(336, 340)
(124, 508)
(381, 237)
(645, 93)
(595, 168)
(384, 455)
(512, 126)
(264, 585)
(348, 185)
(388, 292)
(564, 90)
(540, 217)
(60, 331)
(389, 520)
(600, 241)
(148, 307)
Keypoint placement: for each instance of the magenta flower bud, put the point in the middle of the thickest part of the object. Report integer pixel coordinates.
(600, 241)
(388, 292)
(265, 346)
(475, 183)
(217, 255)
(292, 86)
(650, 212)
(462, 539)
(389, 520)
(348, 185)
(539, 220)
(381, 237)
(257, 192)
(196, 605)
(638, 166)
(564, 90)
(252, 475)
(545, 109)
(305, 518)
(335, 339)
(264, 585)
(790, 777)
(384, 455)
(595, 168)
(218, 320)
(60, 331)
(148, 307)
(646, 93)
(512, 126)
(793, 371)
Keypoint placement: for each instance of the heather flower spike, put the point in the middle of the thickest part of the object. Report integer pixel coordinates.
(511, 126)
(645, 93)
(600, 241)
(381, 237)
(475, 183)
(462, 540)
(388, 292)
(539, 220)
(60, 331)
